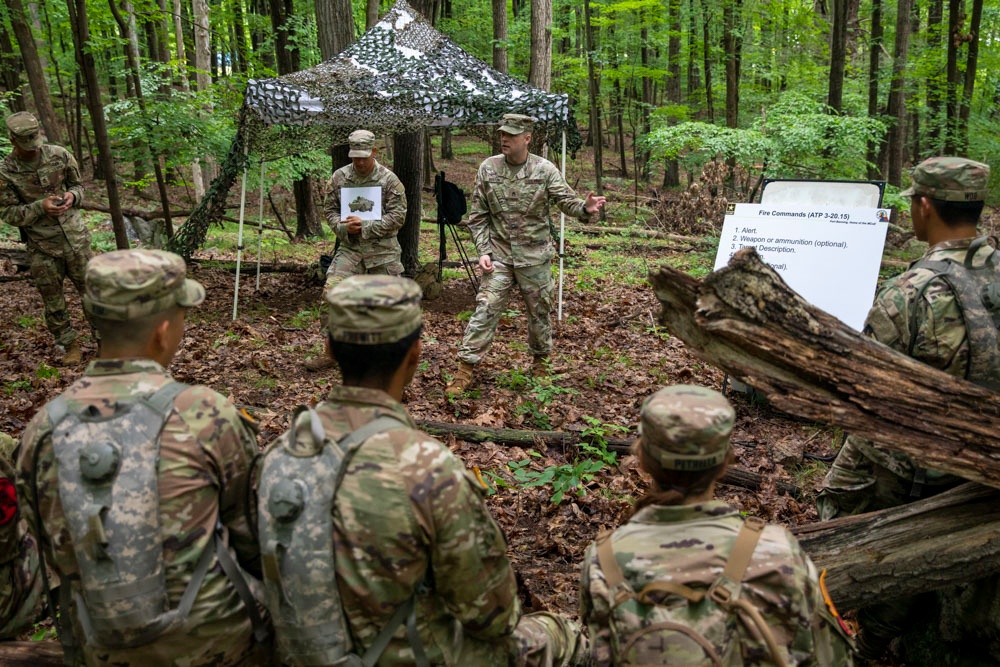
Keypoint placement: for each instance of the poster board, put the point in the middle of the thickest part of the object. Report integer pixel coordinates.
(362, 202)
(830, 255)
(850, 194)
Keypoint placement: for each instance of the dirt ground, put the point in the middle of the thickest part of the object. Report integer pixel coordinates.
(606, 361)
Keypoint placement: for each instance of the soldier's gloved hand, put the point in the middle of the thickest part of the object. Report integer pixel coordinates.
(486, 263)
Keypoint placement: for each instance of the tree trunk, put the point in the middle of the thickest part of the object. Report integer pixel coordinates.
(732, 46)
(971, 64)
(956, 17)
(594, 88)
(838, 56)
(897, 108)
(446, 150)
(10, 67)
(949, 539)
(85, 60)
(408, 151)
(935, 92)
(197, 180)
(707, 56)
(748, 322)
(203, 78)
(307, 216)
(874, 55)
(334, 26)
(672, 84)
(127, 29)
(240, 37)
(499, 51)
(540, 65)
(46, 653)
(33, 68)
(371, 14)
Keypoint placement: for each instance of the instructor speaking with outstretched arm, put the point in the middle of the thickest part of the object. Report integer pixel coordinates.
(510, 226)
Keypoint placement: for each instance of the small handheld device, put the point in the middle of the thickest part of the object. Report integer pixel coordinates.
(61, 201)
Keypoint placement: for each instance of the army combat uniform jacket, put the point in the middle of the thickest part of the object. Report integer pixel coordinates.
(865, 478)
(205, 454)
(21, 591)
(509, 219)
(690, 544)
(23, 186)
(410, 518)
(376, 245)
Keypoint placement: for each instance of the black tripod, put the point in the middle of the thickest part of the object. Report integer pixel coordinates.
(451, 206)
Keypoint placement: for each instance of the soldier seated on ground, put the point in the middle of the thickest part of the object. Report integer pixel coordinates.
(651, 591)
(405, 541)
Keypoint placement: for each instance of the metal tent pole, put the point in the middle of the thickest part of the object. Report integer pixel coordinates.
(239, 238)
(260, 224)
(562, 232)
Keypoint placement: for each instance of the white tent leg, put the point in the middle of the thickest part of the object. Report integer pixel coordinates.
(239, 237)
(260, 224)
(562, 233)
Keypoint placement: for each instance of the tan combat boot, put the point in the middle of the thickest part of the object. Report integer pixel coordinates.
(320, 363)
(73, 356)
(461, 381)
(540, 366)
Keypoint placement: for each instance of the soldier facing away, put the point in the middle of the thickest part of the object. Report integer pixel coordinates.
(40, 192)
(136, 487)
(407, 542)
(511, 228)
(938, 311)
(687, 580)
(366, 246)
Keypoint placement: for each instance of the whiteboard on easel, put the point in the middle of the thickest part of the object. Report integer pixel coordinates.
(830, 255)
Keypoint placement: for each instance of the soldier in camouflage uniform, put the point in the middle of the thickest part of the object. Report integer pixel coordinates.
(138, 299)
(21, 594)
(40, 192)
(510, 225)
(918, 314)
(363, 246)
(409, 518)
(681, 538)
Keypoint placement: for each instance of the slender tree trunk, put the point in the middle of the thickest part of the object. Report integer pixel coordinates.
(956, 18)
(706, 52)
(240, 36)
(645, 53)
(85, 60)
(838, 56)
(971, 63)
(197, 180)
(203, 77)
(408, 167)
(446, 150)
(499, 50)
(874, 56)
(935, 91)
(334, 26)
(540, 65)
(672, 83)
(897, 108)
(10, 67)
(732, 45)
(33, 68)
(594, 87)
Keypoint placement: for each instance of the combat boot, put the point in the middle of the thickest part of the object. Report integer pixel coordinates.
(73, 356)
(320, 363)
(540, 366)
(461, 381)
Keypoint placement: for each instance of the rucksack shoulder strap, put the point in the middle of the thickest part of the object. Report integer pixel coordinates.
(162, 401)
(743, 548)
(617, 586)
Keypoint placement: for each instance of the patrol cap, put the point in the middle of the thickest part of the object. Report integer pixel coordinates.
(515, 123)
(949, 179)
(361, 143)
(686, 427)
(373, 310)
(128, 284)
(25, 131)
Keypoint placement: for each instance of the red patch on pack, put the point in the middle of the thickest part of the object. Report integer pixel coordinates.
(8, 501)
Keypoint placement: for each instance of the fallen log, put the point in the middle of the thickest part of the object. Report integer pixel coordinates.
(938, 542)
(637, 231)
(748, 322)
(507, 436)
(31, 654)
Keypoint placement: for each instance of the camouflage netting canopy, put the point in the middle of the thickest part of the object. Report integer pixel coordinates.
(401, 76)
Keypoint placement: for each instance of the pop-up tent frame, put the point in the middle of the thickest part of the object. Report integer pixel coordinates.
(402, 75)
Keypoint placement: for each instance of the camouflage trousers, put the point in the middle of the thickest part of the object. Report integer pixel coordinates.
(864, 478)
(536, 285)
(49, 273)
(549, 640)
(348, 263)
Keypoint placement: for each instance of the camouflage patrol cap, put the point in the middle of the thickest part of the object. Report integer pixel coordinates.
(373, 310)
(25, 131)
(949, 179)
(361, 142)
(686, 427)
(128, 284)
(515, 123)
